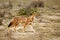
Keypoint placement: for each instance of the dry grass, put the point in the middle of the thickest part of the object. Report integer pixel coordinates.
(47, 26)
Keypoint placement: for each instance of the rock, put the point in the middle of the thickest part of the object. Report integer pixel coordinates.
(5, 5)
(7, 15)
(8, 5)
(1, 13)
(1, 5)
(37, 3)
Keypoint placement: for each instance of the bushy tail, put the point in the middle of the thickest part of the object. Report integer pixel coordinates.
(10, 24)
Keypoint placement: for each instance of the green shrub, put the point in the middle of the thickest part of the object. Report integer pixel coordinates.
(27, 11)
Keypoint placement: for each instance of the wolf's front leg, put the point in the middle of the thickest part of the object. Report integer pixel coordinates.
(24, 28)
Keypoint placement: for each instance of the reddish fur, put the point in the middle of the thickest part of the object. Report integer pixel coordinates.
(24, 20)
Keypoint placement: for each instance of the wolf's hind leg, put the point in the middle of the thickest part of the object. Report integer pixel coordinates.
(14, 28)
